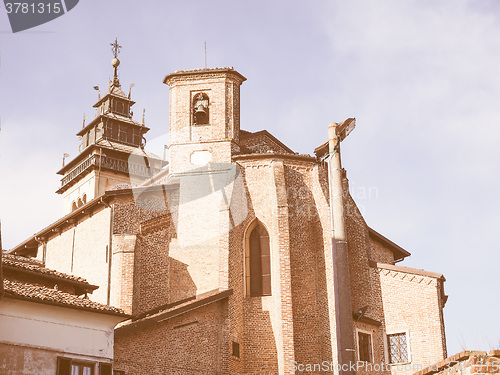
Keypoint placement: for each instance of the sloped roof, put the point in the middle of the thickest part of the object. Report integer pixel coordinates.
(36, 293)
(244, 135)
(125, 148)
(113, 90)
(398, 251)
(106, 144)
(112, 116)
(170, 311)
(35, 266)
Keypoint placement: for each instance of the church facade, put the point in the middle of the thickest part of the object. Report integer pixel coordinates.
(224, 257)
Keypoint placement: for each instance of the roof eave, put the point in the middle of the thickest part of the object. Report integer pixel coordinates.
(398, 251)
(181, 73)
(10, 294)
(173, 312)
(81, 210)
(86, 287)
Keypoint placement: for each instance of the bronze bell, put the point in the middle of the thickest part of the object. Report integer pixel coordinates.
(200, 110)
(200, 114)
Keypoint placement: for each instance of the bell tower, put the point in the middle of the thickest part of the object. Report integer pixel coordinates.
(112, 148)
(204, 117)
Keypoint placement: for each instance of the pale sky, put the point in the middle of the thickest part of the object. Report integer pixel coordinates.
(421, 77)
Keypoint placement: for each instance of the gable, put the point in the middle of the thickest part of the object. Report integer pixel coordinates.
(262, 142)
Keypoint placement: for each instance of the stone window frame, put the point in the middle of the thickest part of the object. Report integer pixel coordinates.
(390, 332)
(246, 258)
(360, 330)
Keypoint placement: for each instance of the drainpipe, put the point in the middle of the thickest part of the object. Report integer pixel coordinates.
(342, 283)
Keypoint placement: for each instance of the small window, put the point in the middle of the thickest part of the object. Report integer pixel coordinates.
(137, 137)
(365, 348)
(118, 372)
(82, 368)
(236, 349)
(130, 135)
(69, 366)
(398, 347)
(120, 108)
(109, 130)
(114, 131)
(123, 133)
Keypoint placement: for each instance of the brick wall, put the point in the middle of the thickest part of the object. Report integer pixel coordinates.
(191, 343)
(381, 253)
(412, 302)
(143, 229)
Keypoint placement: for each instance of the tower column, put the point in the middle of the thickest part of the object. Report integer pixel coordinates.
(282, 269)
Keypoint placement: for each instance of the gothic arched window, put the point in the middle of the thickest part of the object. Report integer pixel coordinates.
(257, 261)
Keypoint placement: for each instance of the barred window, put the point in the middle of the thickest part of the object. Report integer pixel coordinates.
(365, 347)
(398, 347)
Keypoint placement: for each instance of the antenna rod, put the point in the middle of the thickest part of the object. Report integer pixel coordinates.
(205, 54)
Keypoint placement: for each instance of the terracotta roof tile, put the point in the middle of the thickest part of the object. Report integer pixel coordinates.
(52, 296)
(36, 266)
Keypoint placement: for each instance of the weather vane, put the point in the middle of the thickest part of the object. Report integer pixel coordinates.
(115, 48)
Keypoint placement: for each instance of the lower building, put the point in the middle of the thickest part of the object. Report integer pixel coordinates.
(47, 327)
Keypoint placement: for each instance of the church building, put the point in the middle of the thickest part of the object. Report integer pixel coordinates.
(239, 255)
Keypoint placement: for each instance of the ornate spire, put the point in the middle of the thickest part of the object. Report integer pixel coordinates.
(115, 48)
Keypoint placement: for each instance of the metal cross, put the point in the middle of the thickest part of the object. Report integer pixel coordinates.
(115, 48)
